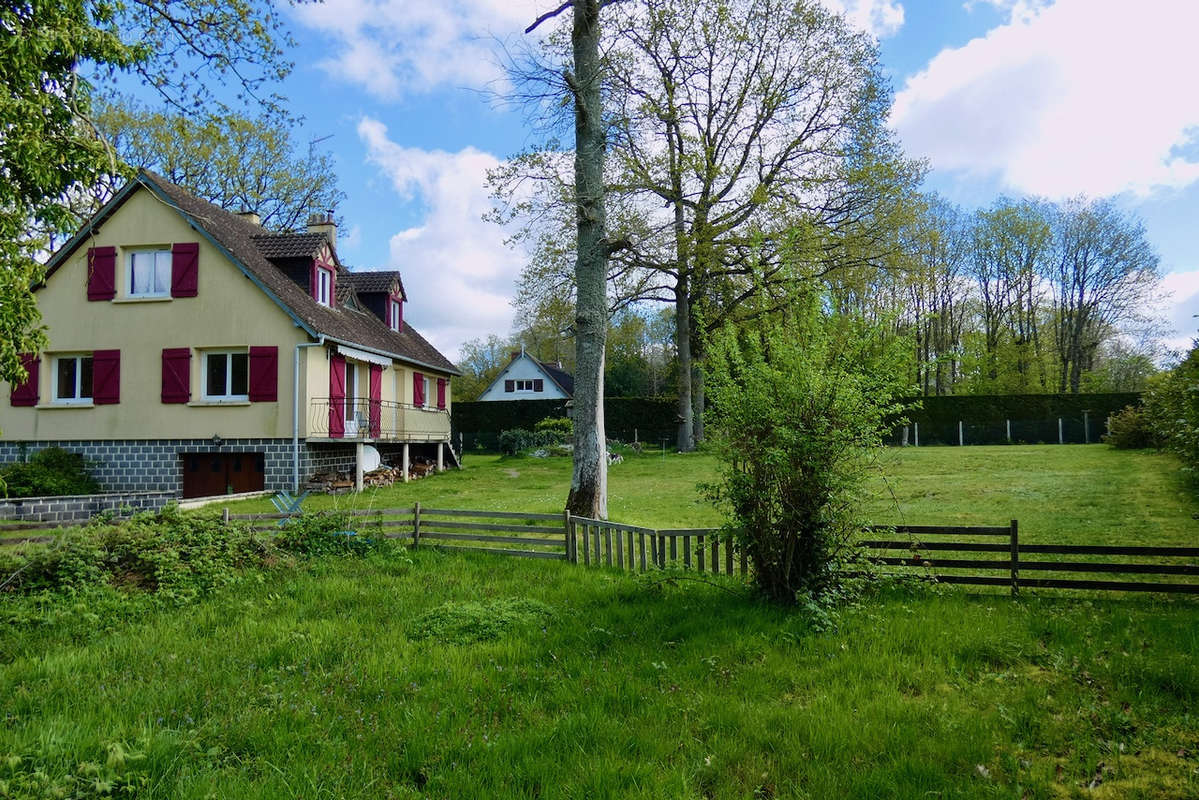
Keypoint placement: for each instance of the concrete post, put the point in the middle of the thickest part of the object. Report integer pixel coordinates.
(916, 427)
(404, 466)
(1009, 430)
(441, 456)
(1060, 438)
(961, 436)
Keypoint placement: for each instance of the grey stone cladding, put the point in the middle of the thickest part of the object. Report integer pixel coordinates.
(79, 508)
(156, 465)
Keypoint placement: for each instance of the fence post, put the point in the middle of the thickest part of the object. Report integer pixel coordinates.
(1059, 431)
(916, 426)
(570, 540)
(225, 516)
(1008, 422)
(1086, 427)
(416, 524)
(1015, 536)
(961, 438)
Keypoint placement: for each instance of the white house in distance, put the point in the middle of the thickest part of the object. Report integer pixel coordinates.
(526, 378)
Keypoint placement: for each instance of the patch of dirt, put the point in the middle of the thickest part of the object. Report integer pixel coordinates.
(512, 473)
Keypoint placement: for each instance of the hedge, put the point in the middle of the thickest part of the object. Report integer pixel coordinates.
(653, 419)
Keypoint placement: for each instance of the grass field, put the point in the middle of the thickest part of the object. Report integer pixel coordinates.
(1059, 493)
(472, 676)
(420, 674)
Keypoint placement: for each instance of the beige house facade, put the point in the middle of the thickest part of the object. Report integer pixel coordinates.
(192, 350)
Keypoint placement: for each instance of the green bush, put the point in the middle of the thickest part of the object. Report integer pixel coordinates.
(176, 557)
(797, 409)
(1172, 409)
(50, 472)
(562, 429)
(328, 534)
(518, 440)
(1129, 429)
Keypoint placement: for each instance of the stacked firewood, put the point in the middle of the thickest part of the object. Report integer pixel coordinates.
(342, 482)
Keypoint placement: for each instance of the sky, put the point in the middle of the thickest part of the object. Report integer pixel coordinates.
(1017, 97)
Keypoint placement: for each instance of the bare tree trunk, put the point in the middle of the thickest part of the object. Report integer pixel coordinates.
(589, 482)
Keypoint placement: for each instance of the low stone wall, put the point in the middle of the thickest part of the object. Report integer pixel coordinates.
(81, 507)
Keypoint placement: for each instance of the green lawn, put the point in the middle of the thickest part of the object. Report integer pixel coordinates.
(336, 681)
(422, 674)
(1059, 493)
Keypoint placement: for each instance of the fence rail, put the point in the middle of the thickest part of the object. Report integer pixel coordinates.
(968, 555)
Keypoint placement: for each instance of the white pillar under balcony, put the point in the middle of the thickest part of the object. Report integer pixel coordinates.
(440, 457)
(405, 464)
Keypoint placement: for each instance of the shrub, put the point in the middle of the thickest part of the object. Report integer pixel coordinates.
(517, 440)
(797, 407)
(1128, 429)
(1172, 409)
(328, 534)
(562, 429)
(49, 472)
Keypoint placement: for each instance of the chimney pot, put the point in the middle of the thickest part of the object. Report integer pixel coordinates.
(323, 223)
(250, 216)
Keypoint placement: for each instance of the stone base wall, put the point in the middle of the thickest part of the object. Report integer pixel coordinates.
(80, 508)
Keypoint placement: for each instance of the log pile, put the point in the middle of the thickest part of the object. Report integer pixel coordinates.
(342, 482)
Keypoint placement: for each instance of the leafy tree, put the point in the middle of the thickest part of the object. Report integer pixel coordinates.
(234, 161)
(800, 402)
(52, 56)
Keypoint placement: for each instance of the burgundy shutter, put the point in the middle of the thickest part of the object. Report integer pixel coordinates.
(376, 400)
(101, 273)
(418, 389)
(539, 384)
(176, 374)
(185, 269)
(264, 374)
(509, 386)
(337, 396)
(106, 377)
(441, 382)
(25, 394)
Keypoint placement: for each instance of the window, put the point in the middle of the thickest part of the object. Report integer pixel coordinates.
(149, 273)
(531, 385)
(324, 285)
(429, 404)
(351, 391)
(73, 379)
(226, 375)
(394, 314)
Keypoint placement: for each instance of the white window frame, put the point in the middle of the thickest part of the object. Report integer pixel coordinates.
(430, 400)
(393, 311)
(160, 255)
(229, 397)
(77, 399)
(525, 385)
(324, 286)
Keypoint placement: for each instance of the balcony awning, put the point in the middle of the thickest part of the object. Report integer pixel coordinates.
(362, 355)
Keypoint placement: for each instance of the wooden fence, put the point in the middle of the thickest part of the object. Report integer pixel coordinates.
(971, 555)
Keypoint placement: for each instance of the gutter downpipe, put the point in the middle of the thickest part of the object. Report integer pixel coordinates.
(295, 414)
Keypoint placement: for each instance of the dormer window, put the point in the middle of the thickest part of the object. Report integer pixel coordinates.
(322, 290)
(395, 314)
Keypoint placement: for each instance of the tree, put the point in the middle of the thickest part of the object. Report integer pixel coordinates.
(1102, 276)
(228, 159)
(800, 402)
(51, 55)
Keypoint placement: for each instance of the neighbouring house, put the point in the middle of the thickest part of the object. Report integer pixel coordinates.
(192, 350)
(526, 378)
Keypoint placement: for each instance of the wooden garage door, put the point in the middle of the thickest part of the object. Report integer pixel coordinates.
(208, 474)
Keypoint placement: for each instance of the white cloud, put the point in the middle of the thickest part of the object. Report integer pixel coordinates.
(880, 18)
(392, 46)
(1081, 96)
(458, 273)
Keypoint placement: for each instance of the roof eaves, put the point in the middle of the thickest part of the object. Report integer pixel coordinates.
(390, 354)
(164, 197)
(550, 374)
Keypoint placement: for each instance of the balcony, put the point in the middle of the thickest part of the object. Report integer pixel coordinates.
(360, 419)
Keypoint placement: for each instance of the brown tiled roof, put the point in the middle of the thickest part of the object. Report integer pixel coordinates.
(289, 245)
(240, 239)
(373, 280)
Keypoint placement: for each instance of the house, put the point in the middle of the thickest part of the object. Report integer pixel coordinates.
(192, 350)
(526, 378)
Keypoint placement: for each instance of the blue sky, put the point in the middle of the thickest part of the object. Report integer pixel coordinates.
(1001, 96)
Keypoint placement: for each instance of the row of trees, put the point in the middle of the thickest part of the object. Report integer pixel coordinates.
(749, 158)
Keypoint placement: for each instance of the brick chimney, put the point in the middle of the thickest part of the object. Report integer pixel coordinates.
(323, 223)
